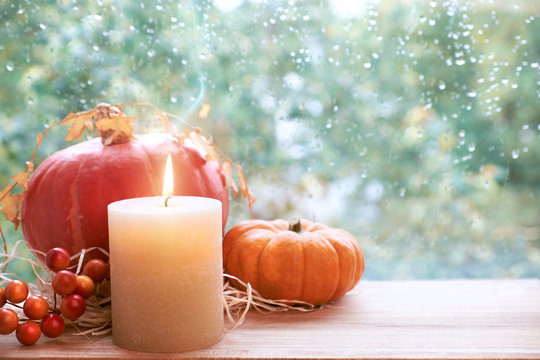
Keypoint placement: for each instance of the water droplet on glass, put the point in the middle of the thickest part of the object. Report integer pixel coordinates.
(402, 192)
(43, 27)
(336, 108)
(442, 85)
(173, 99)
(10, 67)
(461, 133)
(367, 65)
(329, 125)
(432, 22)
(471, 94)
(460, 62)
(471, 147)
(423, 19)
(515, 154)
(95, 48)
(151, 53)
(420, 134)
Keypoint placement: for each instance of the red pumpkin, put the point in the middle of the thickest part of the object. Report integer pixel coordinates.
(67, 197)
(304, 260)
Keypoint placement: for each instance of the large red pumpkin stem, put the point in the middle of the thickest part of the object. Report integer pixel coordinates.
(295, 225)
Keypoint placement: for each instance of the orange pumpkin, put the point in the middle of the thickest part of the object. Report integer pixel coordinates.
(299, 260)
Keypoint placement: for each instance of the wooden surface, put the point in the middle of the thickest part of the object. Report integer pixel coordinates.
(377, 320)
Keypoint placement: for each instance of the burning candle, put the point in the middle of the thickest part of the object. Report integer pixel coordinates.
(166, 272)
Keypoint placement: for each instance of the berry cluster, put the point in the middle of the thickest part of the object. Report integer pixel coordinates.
(73, 290)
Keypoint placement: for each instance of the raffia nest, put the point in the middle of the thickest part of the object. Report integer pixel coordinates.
(97, 318)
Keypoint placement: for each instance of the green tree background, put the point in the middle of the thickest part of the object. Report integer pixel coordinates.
(413, 125)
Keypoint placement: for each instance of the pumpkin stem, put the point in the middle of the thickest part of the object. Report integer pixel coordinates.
(295, 225)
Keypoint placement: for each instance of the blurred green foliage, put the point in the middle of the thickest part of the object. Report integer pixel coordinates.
(414, 125)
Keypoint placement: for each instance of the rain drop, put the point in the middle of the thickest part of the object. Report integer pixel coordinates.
(515, 154)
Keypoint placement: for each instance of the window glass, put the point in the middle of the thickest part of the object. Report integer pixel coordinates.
(414, 125)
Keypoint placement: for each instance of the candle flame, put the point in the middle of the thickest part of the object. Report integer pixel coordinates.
(168, 178)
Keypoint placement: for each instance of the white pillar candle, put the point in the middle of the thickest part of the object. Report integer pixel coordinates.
(166, 273)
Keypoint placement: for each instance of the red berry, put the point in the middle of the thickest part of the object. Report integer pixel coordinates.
(3, 299)
(16, 291)
(64, 282)
(96, 269)
(72, 306)
(57, 259)
(35, 307)
(84, 286)
(28, 333)
(8, 321)
(52, 325)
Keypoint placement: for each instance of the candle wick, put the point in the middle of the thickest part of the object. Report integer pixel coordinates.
(167, 201)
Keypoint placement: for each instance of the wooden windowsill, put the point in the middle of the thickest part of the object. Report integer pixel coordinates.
(455, 319)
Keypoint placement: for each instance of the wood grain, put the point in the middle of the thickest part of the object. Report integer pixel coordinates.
(468, 319)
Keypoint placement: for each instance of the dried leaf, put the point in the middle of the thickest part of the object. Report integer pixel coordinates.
(10, 207)
(39, 139)
(6, 190)
(115, 130)
(79, 122)
(229, 179)
(207, 147)
(183, 136)
(242, 184)
(169, 127)
(21, 178)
